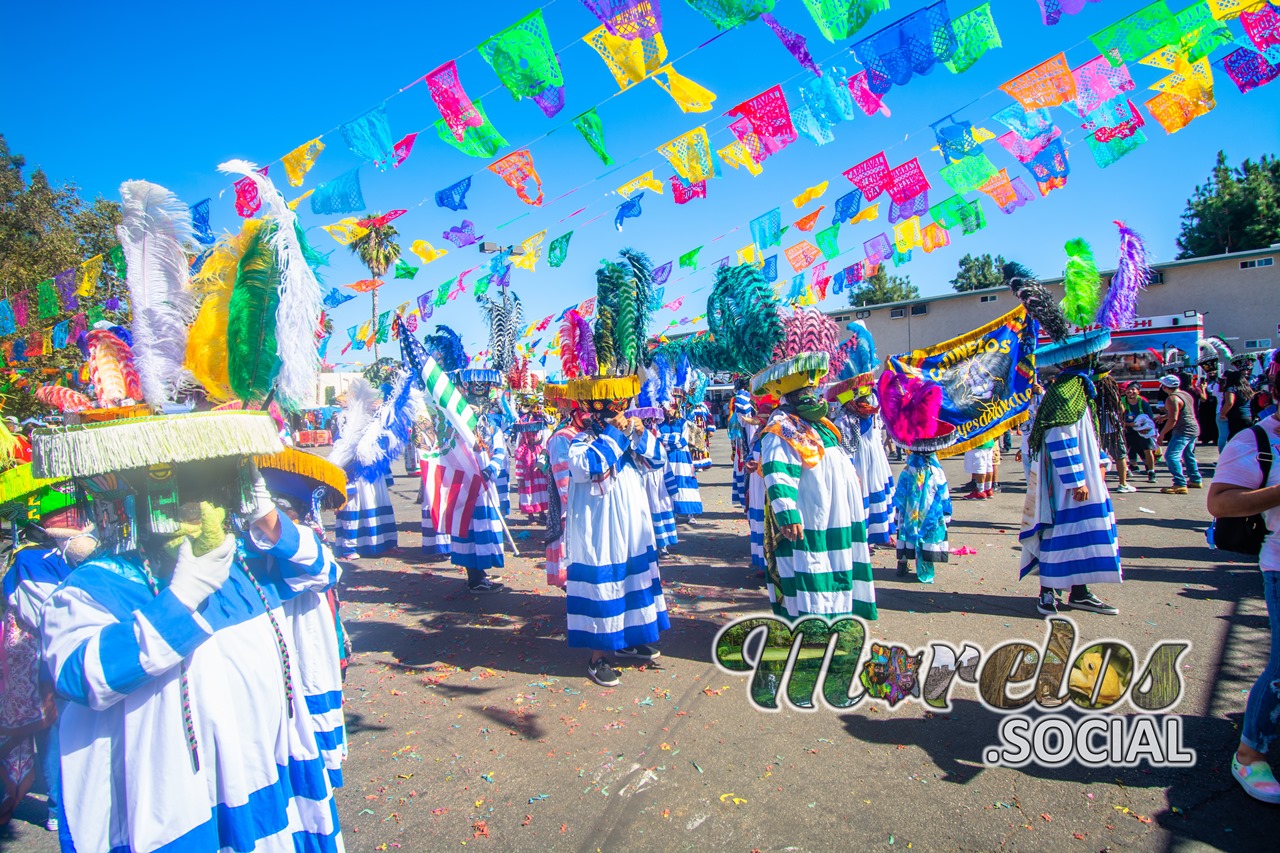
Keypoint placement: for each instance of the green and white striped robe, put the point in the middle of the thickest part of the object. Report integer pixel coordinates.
(828, 571)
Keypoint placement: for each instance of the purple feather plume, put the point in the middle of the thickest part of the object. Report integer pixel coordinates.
(1133, 271)
(586, 346)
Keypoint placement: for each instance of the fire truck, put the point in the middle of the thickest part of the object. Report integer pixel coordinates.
(1141, 352)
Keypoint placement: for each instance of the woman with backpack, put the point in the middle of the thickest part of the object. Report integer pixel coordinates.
(1247, 483)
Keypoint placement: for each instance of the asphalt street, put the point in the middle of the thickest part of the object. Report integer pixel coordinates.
(471, 723)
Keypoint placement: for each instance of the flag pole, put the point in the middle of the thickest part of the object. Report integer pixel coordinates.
(497, 503)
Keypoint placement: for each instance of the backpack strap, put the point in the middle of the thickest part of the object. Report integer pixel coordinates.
(1265, 457)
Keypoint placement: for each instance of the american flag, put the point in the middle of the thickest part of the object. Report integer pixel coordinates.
(451, 476)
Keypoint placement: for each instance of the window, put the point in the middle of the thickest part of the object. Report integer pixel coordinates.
(1260, 343)
(862, 315)
(917, 310)
(1156, 278)
(1259, 262)
(988, 297)
(897, 313)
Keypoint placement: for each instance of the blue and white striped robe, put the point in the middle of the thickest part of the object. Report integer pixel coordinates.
(681, 484)
(755, 505)
(877, 480)
(660, 506)
(501, 424)
(366, 523)
(480, 549)
(1067, 541)
(740, 435)
(614, 592)
(117, 650)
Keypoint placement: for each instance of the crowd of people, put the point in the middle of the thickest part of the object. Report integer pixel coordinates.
(173, 647)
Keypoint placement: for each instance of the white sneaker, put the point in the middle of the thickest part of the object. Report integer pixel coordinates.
(1126, 488)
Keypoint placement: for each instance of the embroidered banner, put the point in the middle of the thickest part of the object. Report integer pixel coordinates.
(986, 377)
(451, 100)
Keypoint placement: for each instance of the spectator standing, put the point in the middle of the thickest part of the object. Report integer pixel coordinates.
(1139, 435)
(1181, 429)
(1238, 490)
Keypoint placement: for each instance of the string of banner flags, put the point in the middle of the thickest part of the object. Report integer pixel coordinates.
(630, 42)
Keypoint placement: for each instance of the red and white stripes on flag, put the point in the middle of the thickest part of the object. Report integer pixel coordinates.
(452, 491)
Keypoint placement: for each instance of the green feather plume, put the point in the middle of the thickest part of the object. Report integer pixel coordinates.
(251, 322)
(1081, 285)
(642, 278)
(606, 354)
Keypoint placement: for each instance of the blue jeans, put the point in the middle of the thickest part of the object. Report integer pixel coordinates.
(1222, 434)
(1182, 451)
(1262, 711)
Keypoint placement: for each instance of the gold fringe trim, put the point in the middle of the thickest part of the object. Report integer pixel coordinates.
(604, 388)
(315, 468)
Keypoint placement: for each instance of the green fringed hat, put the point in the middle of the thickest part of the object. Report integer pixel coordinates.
(86, 450)
(802, 370)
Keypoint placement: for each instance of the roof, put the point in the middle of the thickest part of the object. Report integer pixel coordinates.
(1274, 248)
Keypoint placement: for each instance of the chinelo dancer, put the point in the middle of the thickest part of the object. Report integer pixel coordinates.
(530, 452)
(648, 409)
(374, 432)
(741, 433)
(573, 421)
(921, 502)
(818, 562)
(674, 432)
(763, 407)
(861, 426)
(700, 426)
(480, 549)
(816, 551)
(615, 603)
(1068, 527)
(446, 348)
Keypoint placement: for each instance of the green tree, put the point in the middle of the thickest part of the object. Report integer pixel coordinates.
(881, 288)
(978, 273)
(1236, 210)
(377, 250)
(46, 228)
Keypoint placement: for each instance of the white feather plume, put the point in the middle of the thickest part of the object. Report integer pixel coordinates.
(298, 312)
(155, 232)
(357, 414)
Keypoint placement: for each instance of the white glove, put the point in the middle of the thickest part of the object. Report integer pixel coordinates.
(261, 504)
(197, 578)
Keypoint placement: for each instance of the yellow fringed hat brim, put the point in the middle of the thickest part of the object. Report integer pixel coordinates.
(800, 371)
(604, 388)
(317, 470)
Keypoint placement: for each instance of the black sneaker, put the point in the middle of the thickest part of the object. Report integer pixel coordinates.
(486, 587)
(601, 673)
(902, 569)
(641, 652)
(1093, 604)
(1151, 476)
(1047, 603)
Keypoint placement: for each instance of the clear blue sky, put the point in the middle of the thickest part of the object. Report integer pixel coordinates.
(100, 94)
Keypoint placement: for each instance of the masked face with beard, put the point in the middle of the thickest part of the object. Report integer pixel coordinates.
(478, 395)
(807, 403)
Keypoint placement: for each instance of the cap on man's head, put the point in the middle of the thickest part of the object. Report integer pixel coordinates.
(1170, 382)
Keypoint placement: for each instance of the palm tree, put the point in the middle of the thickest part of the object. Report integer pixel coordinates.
(377, 250)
